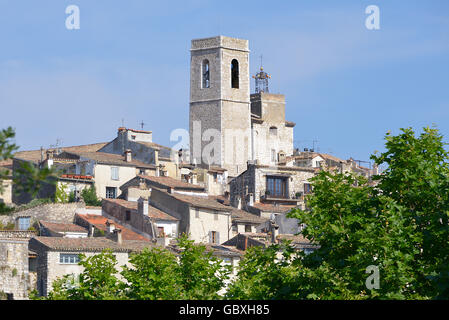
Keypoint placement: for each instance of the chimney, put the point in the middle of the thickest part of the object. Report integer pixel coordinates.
(111, 226)
(118, 236)
(91, 231)
(49, 154)
(142, 206)
(239, 203)
(251, 199)
(128, 155)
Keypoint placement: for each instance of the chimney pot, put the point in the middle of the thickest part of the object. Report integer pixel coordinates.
(128, 155)
(118, 236)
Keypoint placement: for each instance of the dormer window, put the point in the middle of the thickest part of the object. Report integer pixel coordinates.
(235, 74)
(205, 74)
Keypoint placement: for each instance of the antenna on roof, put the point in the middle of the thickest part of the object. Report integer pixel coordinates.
(123, 122)
(142, 124)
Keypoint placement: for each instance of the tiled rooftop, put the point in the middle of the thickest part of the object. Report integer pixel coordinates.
(100, 223)
(169, 182)
(62, 227)
(153, 212)
(92, 244)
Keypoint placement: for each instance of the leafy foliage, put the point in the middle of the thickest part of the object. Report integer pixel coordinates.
(61, 195)
(154, 273)
(7, 147)
(90, 196)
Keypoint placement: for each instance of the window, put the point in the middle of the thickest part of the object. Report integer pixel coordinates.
(235, 74)
(69, 258)
(206, 74)
(128, 215)
(307, 188)
(24, 223)
(247, 228)
(114, 173)
(111, 192)
(273, 131)
(277, 187)
(214, 237)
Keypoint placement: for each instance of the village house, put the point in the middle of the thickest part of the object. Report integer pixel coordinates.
(58, 256)
(17, 264)
(142, 148)
(61, 229)
(142, 217)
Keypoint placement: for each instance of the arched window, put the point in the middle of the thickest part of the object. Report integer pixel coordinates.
(206, 74)
(273, 131)
(235, 74)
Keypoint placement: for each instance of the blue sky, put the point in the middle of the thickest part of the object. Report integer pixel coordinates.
(345, 85)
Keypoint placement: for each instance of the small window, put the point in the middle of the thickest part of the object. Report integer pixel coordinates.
(273, 131)
(214, 237)
(24, 223)
(247, 228)
(235, 74)
(111, 192)
(307, 188)
(273, 155)
(206, 74)
(114, 173)
(128, 215)
(133, 137)
(68, 258)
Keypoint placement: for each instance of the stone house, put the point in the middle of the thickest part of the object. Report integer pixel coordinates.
(17, 264)
(55, 212)
(109, 171)
(47, 158)
(61, 229)
(201, 216)
(57, 256)
(142, 217)
(164, 183)
(143, 148)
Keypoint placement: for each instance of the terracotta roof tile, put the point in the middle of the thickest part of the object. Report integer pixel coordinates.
(169, 182)
(91, 244)
(62, 227)
(153, 212)
(272, 208)
(100, 223)
(113, 159)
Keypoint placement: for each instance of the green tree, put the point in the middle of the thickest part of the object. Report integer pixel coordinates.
(200, 274)
(398, 222)
(61, 195)
(90, 196)
(263, 274)
(152, 276)
(7, 147)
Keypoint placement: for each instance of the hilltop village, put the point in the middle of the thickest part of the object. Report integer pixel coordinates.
(231, 190)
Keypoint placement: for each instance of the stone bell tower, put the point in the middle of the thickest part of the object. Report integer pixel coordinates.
(220, 107)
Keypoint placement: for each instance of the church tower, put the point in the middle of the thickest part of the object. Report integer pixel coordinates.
(220, 106)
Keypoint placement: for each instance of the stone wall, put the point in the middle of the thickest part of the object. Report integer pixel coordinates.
(62, 212)
(15, 277)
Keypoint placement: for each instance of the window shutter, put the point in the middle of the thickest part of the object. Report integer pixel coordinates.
(210, 236)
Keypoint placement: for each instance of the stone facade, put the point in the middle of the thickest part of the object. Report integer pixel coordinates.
(194, 218)
(254, 182)
(222, 110)
(271, 134)
(16, 278)
(62, 212)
